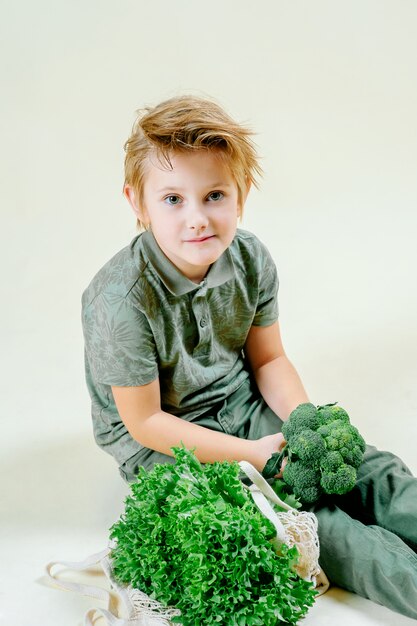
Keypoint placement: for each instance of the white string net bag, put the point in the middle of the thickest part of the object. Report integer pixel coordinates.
(294, 528)
(301, 530)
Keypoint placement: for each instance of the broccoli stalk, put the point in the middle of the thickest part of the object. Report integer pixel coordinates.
(323, 452)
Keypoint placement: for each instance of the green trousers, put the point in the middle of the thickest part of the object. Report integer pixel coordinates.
(368, 538)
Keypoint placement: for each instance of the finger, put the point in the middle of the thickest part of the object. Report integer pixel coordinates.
(283, 464)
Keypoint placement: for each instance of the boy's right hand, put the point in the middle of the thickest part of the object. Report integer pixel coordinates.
(264, 448)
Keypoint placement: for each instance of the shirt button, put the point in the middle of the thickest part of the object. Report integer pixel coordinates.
(203, 322)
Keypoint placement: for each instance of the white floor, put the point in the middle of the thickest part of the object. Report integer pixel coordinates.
(53, 509)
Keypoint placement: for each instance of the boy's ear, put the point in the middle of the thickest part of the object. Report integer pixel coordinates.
(140, 213)
(243, 200)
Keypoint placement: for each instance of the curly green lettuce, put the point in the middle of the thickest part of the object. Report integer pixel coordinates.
(191, 537)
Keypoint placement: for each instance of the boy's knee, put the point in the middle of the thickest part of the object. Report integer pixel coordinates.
(380, 462)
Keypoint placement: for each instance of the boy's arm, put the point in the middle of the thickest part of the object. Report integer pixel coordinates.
(276, 377)
(140, 410)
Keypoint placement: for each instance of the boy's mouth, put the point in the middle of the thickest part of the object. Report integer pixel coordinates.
(199, 239)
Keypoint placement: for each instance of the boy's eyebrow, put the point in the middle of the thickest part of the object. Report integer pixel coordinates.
(214, 185)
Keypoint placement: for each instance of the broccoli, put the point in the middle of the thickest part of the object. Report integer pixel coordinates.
(330, 412)
(345, 438)
(305, 416)
(339, 482)
(323, 452)
(331, 461)
(304, 481)
(309, 446)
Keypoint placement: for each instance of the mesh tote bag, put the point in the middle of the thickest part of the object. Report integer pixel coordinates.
(292, 527)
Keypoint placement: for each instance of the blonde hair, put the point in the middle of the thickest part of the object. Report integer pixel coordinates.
(187, 123)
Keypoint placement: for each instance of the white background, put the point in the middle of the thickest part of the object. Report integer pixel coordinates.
(330, 89)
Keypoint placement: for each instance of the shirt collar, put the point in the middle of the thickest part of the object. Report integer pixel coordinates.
(220, 271)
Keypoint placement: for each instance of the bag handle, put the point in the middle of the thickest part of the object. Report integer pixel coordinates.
(112, 620)
(98, 593)
(262, 494)
(262, 485)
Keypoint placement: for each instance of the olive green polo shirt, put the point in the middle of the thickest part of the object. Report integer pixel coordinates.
(142, 318)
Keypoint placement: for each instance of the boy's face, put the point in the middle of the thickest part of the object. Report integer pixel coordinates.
(192, 209)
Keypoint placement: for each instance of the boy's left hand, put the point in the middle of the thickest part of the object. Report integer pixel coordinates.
(264, 448)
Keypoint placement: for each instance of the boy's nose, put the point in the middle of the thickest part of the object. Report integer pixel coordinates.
(196, 218)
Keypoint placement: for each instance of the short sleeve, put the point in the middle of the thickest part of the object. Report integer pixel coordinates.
(267, 309)
(119, 344)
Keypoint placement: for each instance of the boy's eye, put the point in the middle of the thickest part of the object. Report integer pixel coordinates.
(216, 195)
(173, 199)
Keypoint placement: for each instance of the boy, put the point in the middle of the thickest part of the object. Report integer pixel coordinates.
(182, 343)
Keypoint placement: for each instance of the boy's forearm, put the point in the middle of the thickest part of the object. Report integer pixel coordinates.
(161, 431)
(280, 386)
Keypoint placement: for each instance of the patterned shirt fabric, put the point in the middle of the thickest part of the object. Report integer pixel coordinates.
(142, 318)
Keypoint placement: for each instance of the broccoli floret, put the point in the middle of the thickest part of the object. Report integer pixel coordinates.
(330, 462)
(304, 416)
(344, 438)
(308, 446)
(303, 480)
(330, 412)
(352, 456)
(360, 441)
(339, 482)
(336, 476)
